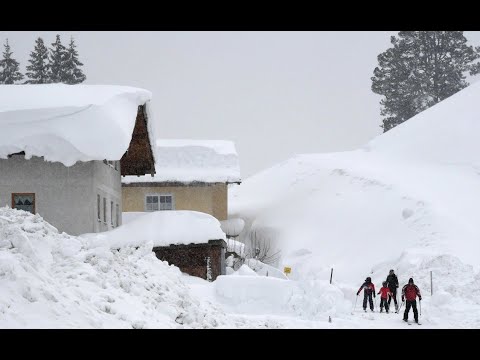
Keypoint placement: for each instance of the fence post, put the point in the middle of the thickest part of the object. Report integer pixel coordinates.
(331, 274)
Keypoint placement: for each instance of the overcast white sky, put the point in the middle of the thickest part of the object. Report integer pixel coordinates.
(275, 94)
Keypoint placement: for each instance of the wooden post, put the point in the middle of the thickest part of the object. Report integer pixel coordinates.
(431, 283)
(331, 274)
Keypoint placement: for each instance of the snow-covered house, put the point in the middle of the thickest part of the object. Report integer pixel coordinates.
(190, 175)
(63, 149)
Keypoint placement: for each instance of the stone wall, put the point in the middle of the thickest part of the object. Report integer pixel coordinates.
(196, 259)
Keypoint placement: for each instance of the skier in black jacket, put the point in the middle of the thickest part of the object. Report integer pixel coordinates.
(392, 281)
(368, 292)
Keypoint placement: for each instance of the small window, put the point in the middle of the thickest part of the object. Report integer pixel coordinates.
(111, 212)
(24, 201)
(105, 210)
(117, 217)
(166, 202)
(152, 203)
(98, 208)
(158, 202)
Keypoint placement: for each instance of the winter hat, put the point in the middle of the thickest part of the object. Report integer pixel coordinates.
(410, 281)
(391, 271)
(368, 279)
(384, 283)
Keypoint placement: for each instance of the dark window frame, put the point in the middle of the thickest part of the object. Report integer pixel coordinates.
(25, 194)
(99, 211)
(105, 210)
(111, 213)
(159, 202)
(117, 214)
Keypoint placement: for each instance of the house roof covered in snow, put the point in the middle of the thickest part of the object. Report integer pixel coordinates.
(69, 123)
(162, 228)
(189, 161)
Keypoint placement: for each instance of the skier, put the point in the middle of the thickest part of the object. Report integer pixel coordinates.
(392, 281)
(411, 291)
(369, 290)
(385, 292)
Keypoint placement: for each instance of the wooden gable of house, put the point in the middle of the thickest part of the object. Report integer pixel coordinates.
(138, 159)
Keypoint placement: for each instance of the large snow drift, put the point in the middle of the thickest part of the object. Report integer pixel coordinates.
(55, 280)
(407, 201)
(69, 123)
(52, 280)
(187, 161)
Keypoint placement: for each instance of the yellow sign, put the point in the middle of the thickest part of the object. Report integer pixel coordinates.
(287, 270)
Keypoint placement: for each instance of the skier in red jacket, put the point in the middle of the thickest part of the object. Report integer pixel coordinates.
(385, 292)
(411, 291)
(369, 290)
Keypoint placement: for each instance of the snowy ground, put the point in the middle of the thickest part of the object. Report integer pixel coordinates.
(52, 280)
(300, 310)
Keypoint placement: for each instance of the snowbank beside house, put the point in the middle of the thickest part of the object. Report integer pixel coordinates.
(189, 161)
(69, 123)
(53, 280)
(162, 228)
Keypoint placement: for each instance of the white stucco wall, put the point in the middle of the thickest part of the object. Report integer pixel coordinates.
(107, 183)
(64, 196)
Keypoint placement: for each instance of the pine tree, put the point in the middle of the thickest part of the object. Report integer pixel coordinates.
(37, 71)
(9, 67)
(73, 73)
(421, 69)
(58, 54)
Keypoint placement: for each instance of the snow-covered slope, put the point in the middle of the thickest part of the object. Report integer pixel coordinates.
(444, 134)
(69, 123)
(407, 201)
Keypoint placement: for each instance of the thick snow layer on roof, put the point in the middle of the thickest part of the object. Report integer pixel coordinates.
(68, 123)
(188, 161)
(163, 228)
